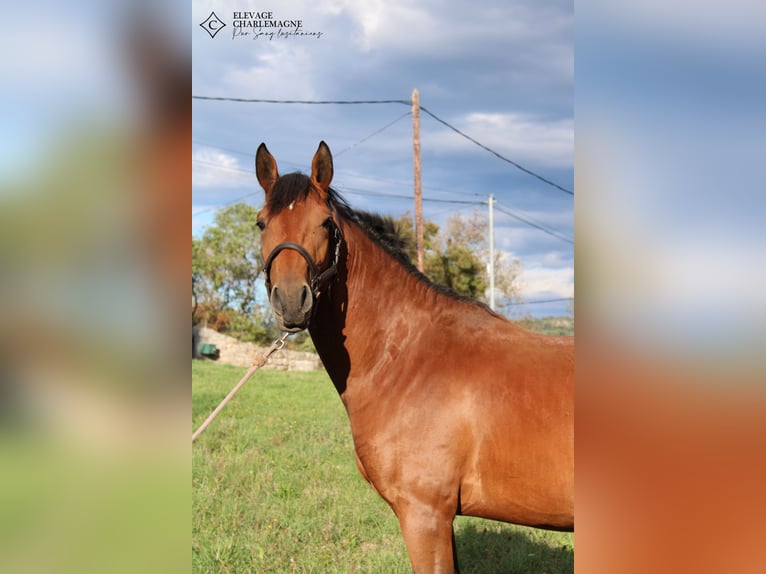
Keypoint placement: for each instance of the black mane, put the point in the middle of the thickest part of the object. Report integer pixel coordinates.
(295, 187)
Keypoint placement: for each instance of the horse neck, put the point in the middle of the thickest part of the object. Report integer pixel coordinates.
(370, 304)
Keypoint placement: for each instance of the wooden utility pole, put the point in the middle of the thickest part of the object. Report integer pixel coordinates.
(418, 189)
(491, 265)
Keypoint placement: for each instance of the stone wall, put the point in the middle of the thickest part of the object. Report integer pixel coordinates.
(234, 352)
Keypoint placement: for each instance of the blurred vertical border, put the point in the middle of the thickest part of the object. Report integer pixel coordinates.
(94, 255)
(95, 188)
(671, 302)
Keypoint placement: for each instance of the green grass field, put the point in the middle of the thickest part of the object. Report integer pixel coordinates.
(275, 489)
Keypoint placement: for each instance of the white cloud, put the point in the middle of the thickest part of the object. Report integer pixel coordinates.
(730, 24)
(214, 168)
(281, 73)
(511, 58)
(382, 24)
(519, 137)
(449, 28)
(547, 282)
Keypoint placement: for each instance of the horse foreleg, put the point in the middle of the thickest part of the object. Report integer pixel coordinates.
(429, 538)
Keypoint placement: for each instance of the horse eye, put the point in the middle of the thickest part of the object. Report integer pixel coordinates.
(328, 223)
(261, 225)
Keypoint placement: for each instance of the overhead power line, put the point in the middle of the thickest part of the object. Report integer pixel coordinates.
(335, 154)
(493, 152)
(557, 300)
(369, 193)
(375, 179)
(309, 102)
(346, 190)
(390, 101)
(228, 203)
(223, 167)
(341, 188)
(373, 134)
(534, 224)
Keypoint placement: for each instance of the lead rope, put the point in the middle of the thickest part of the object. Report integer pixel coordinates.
(257, 363)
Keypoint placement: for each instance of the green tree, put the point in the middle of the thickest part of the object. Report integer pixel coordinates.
(405, 229)
(225, 266)
(457, 262)
(196, 277)
(457, 257)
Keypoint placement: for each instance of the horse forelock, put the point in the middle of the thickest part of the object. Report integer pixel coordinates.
(295, 188)
(290, 188)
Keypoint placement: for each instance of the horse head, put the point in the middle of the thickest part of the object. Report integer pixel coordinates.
(300, 239)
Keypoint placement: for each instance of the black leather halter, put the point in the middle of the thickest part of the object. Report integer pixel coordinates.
(317, 279)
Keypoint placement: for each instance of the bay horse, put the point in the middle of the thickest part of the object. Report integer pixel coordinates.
(454, 410)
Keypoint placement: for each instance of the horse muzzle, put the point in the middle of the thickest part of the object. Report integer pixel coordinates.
(292, 304)
(293, 300)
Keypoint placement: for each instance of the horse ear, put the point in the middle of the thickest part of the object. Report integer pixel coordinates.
(321, 167)
(265, 168)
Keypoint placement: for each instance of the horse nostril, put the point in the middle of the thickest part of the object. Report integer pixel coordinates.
(276, 300)
(291, 303)
(306, 299)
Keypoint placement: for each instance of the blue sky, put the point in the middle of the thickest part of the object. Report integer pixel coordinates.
(501, 72)
(670, 147)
